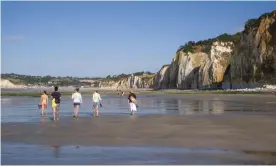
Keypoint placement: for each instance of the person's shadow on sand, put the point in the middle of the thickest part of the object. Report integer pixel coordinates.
(43, 119)
(56, 150)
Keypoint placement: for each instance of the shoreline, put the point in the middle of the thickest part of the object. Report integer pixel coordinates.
(84, 91)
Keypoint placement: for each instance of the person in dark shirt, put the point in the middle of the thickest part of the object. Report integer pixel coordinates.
(56, 103)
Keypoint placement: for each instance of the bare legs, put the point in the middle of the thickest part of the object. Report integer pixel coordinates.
(132, 108)
(54, 113)
(96, 111)
(57, 111)
(43, 110)
(76, 110)
(132, 112)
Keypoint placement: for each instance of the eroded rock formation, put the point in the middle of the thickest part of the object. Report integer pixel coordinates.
(243, 60)
(254, 60)
(143, 81)
(160, 80)
(197, 70)
(7, 84)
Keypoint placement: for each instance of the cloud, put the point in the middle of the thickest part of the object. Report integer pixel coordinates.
(13, 38)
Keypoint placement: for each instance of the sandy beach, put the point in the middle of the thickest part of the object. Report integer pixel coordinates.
(244, 133)
(242, 125)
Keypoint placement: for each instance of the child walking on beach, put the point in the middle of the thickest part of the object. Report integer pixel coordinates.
(43, 103)
(132, 103)
(97, 101)
(56, 103)
(77, 100)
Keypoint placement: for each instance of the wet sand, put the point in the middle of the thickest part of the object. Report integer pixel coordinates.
(41, 154)
(229, 137)
(233, 132)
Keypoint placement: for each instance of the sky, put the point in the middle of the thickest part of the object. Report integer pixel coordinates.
(96, 39)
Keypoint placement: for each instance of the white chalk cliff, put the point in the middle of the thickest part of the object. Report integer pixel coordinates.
(243, 60)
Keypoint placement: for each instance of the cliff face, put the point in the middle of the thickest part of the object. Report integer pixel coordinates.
(188, 73)
(243, 60)
(7, 84)
(196, 70)
(161, 78)
(254, 61)
(212, 72)
(143, 81)
(107, 84)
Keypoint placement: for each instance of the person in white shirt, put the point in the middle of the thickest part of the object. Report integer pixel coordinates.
(97, 101)
(77, 100)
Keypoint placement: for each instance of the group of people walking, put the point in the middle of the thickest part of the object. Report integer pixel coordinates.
(77, 100)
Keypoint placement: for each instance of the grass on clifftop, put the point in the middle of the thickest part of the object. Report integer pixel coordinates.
(205, 45)
(255, 22)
